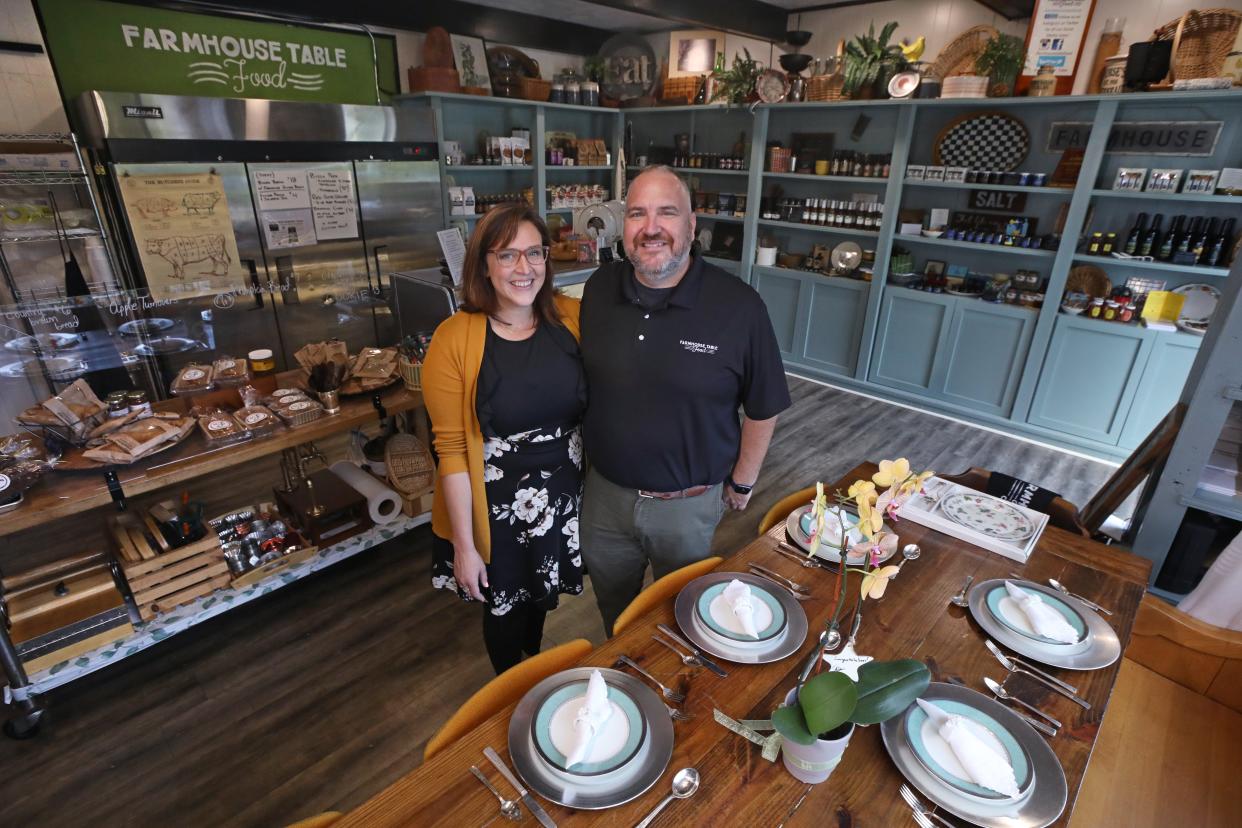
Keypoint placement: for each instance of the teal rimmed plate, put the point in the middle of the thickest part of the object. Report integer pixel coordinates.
(935, 755)
(1004, 608)
(558, 710)
(774, 628)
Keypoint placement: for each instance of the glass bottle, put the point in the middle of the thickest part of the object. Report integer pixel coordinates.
(1171, 240)
(1217, 248)
(1136, 235)
(1186, 241)
(1110, 244)
(1151, 240)
(1097, 243)
(857, 168)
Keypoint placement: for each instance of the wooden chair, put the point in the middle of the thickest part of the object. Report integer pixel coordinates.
(1061, 513)
(1205, 658)
(318, 820)
(783, 507)
(1147, 460)
(663, 589)
(504, 690)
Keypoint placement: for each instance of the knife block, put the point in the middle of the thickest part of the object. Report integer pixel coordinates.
(344, 511)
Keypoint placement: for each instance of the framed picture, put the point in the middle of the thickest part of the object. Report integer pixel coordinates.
(1163, 181)
(693, 52)
(933, 267)
(1200, 181)
(470, 58)
(915, 172)
(955, 175)
(1130, 179)
(934, 174)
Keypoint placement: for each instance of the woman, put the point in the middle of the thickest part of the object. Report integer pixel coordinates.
(504, 386)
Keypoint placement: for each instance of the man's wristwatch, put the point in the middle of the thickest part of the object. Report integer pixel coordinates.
(738, 487)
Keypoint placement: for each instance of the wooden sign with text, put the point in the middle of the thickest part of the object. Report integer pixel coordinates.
(1001, 200)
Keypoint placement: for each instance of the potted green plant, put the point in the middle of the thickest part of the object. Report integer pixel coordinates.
(870, 61)
(1000, 61)
(818, 719)
(737, 84)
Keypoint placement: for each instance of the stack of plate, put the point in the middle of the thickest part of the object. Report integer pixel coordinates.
(964, 86)
(1198, 307)
(707, 619)
(798, 526)
(625, 758)
(1000, 616)
(926, 760)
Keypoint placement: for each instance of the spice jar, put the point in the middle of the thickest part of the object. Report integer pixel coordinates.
(1097, 309)
(1044, 84)
(262, 361)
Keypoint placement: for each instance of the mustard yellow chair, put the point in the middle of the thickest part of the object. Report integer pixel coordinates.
(318, 820)
(664, 588)
(783, 507)
(503, 690)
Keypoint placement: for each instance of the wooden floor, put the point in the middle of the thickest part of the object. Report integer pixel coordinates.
(321, 694)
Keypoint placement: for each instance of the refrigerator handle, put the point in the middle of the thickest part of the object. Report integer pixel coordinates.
(379, 266)
(257, 289)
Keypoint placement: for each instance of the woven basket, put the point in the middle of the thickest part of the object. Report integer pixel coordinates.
(411, 470)
(411, 373)
(681, 90)
(1201, 42)
(826, 88)
(1088, 279)
(535, 89)
(958, 58)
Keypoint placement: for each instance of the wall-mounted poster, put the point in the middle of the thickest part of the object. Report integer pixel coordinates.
(333, 203)
(694, 52)
(183, 234)
(1054, 38)
(470, 58)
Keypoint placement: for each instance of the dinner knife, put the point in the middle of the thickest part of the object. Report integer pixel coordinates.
(531, 802)
(707, 662)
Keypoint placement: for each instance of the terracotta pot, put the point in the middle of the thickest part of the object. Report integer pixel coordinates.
(813, 763)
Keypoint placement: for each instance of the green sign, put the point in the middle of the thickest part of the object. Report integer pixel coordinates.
(114, 47)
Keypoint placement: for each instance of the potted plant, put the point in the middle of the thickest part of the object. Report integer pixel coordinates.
(1000, 61)
(737, 84)
(818, 717)
(870, 61)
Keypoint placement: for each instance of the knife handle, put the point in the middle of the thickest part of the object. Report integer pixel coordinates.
(499, 764)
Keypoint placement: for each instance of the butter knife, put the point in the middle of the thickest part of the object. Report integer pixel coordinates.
(531, 802)
(707, 662)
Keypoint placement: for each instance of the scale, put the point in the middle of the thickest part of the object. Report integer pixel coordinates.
(604, 224)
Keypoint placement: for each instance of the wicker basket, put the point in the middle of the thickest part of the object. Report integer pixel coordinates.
(958, 58)
(535, 89)
(826, 88)
(1201, 42)
(411, 470)
(1088, 279)
(411, 373)
(681, 90)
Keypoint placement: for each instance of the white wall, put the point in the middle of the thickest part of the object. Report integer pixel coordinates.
(29, 101)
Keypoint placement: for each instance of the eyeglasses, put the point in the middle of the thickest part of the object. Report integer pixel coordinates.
(509, 257)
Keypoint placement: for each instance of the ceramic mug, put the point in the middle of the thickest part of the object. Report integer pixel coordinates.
(765, 256)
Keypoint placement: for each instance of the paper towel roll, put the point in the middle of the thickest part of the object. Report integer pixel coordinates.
(382, 502)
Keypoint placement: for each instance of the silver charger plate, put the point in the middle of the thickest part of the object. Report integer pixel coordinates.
(826, 552)
(542, 781)
(795, 635)
(1105, 646)
(1049, 792)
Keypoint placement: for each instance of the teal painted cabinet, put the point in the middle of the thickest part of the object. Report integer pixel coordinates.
(834, 325)
(912, 330)
(782, 294)
(1172, 355)
(1089, 377)
(983, 357)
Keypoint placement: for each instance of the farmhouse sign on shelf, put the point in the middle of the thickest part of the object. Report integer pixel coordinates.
(1141, 137)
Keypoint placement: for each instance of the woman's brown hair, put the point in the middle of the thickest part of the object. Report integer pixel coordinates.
(495, 230)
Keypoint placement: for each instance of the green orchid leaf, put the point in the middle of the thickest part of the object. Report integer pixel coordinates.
(789, 722)
(885, 688)
(827, 701)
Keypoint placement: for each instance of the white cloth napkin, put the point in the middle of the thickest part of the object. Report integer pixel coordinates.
(595, 710)
(983, 765)
(737, 594)
(1044, 619)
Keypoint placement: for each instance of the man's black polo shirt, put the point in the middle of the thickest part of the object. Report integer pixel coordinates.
(666, 383)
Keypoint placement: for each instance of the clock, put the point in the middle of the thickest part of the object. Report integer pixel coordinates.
(772, 86)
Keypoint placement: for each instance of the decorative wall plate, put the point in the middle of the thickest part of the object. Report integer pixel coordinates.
(772, 86)
(1200, 303)
(988, 515)
(983, 141)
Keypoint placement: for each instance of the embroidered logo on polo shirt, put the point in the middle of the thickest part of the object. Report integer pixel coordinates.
(698, 347)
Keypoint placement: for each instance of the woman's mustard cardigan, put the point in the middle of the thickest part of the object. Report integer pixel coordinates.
(450, 386)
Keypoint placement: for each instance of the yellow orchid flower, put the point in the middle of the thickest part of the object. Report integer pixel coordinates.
(870, 520)
(915, 483)
(861, 490)
(875, 582)
(892, 471)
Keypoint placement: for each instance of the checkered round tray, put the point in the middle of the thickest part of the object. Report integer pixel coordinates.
(983, 141)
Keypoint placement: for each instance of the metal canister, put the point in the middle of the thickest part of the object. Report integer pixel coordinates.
(573, 93)
(590, 93)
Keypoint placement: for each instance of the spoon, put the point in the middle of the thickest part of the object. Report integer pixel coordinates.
(911, 551)
(959, 600)
(685, 783)
(1000, 692)
(1059, 587)
(508, 807)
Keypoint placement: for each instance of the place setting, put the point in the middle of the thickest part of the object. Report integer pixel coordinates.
(741, 617)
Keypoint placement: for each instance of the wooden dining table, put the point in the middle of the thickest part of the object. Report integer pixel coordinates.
(914, 619)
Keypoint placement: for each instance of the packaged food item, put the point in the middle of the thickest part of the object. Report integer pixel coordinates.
(262, 361)
(137, 439)
(457, 203)
(259, 420)
(229, 371)
(76, 409)
(221, 429)
(374, 363)
(139, 403)
(301, 412)
(192, 379)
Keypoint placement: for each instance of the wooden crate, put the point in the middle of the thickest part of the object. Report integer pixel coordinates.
(163, 580)
(416, 504)
(272, 567)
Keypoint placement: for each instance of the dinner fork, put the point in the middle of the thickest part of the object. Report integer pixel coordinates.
(919, 819)
(802, 557)
(801, 560)
(1016, 665)
(796, 595)
(678, 715)
(671, 695)
(922, 810)
(688, 660)
(789, 582)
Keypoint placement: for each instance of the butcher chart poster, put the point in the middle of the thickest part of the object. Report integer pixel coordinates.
(183, 234)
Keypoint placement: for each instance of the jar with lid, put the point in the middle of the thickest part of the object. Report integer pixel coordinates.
(1044, 84)
(1127, 312)
(558, 92)
(118, 406)
(1111, 310)
(1096, 311)
(573, 93)
(590, 93)
(138, 402)
(262, 361)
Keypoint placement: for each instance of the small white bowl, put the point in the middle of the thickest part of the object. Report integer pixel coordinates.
(933, 234)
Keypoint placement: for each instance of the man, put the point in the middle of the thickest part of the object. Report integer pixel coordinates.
(672, 346)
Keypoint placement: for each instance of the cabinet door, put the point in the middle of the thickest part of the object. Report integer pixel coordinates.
(838, 307)
(1089, 378)
(781, 294)
(911, 332)
(1172, 354)
(984, 355)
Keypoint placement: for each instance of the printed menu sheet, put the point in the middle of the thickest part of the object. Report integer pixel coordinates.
(333, 203)
(183, 233)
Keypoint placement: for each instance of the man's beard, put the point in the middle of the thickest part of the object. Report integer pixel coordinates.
(676, 258)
